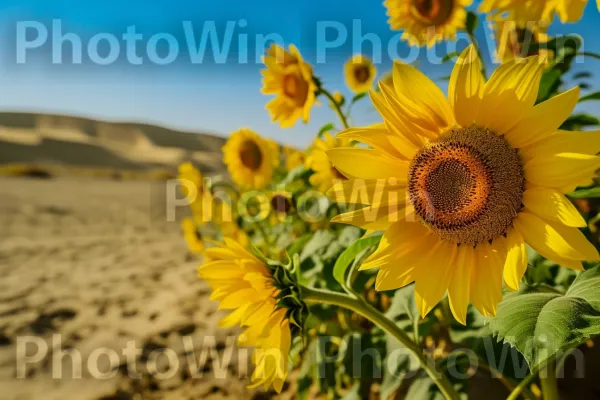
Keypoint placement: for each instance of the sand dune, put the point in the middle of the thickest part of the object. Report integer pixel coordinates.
(50, 140)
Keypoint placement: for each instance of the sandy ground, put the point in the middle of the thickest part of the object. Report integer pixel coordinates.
(89, 266)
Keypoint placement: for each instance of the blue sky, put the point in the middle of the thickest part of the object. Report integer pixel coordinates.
(208, 96)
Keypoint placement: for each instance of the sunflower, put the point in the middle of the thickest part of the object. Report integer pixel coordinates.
(427, 21)
(282, 203)
(325, 173)
(360, 73)
(525, 12)
(190, 177)
(243, 283)
(290, 79)
(293, 158)
(514, 41)
(249, 159)
(461, 185)
(192, 235)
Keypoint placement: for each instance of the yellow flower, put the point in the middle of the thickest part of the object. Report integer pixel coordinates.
(338, 97)
(461, 185)
(293, 158)
(325, 173)
(427, 21)
(192, 236)
(233, 232)
(360, 73)
(249, 159)
(513, 41)
(192, 186)
(281, 205)
(290, 79)
(525, 12)
(243, 283)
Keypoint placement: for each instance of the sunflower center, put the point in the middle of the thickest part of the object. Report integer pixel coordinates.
(433, 12)
(361, 73)
(467, 185)
(295, 88)
(281, 203)
(251, 155)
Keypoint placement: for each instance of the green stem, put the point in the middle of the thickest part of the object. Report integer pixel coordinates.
(479, 54)
(589, 54)
(549, 382)
(261, 229)
(360, 307)
(337, 107)
(521, 387)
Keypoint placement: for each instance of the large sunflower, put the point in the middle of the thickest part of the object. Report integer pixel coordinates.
(461, 185)
(325, 173)
(290, 79)
(243, 283)
(427, 21)
(249, 159)
(360, 73)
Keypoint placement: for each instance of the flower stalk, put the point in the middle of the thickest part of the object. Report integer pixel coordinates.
(316, 296)
(336, 106)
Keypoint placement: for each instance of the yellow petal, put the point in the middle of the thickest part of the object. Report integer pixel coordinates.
(377, 138)
(415, 87)
(486, 279)
(240, 298)
(398, 240)
(571, 10)
(510, 94)
(367, 163)
(433, 276)
(400, 271)
(375, 192)
(466, 87)
(405, 129)
(561, 169)
(552, 205)
(234, 318)
(563, 142)
(460, 284)
(543, 119)
(554, 240)
(376, 217)
(516, 259)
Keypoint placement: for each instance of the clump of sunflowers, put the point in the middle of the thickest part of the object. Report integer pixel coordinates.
(459, 229)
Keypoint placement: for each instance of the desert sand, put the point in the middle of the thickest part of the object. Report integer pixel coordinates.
(97, 263)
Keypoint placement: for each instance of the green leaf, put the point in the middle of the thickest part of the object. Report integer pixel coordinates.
(403, 304)
(358, 97)
(299, 243)
(578, 121)
(472, 22)
(591, 96)
(346, 258)
(540, 325)
(582, 75)
(327, 127)
(549, 84)
(591, 193)
(317, 244)
(563, 44)
(450, 56)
